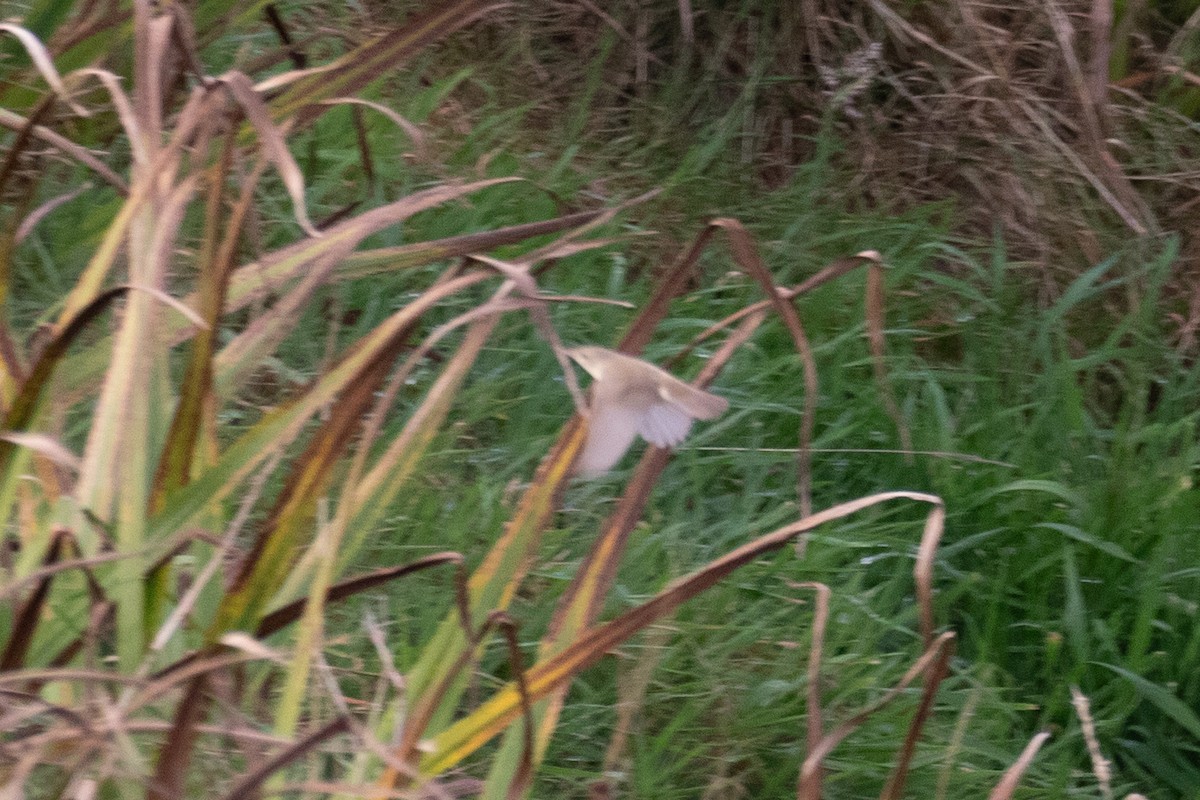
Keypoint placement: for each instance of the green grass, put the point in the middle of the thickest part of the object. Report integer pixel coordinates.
(1062, 435)
(1070, 562)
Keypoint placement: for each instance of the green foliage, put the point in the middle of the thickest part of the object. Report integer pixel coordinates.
(1061, 434)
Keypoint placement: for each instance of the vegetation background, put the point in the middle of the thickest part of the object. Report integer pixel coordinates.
(1027, 173)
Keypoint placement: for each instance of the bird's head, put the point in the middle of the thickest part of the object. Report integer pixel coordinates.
(591, 358)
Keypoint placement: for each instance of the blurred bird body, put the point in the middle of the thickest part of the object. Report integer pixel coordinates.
(631, 397)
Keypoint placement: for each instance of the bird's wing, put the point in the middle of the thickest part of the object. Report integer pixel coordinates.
(664, 424)
(611, 430)
(692, 401)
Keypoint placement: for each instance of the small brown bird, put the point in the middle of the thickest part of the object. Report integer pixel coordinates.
(630, 396)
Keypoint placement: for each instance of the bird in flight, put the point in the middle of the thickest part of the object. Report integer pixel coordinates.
(630, 397)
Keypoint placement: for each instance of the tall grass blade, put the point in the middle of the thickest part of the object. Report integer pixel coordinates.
(894, 789)
(395, 466)
(491, 718)
(285, 615)
(249, 787)
(813, 714)
(25, 619)
(368, 498)
(252, 282)
(876, 318)
(745, 253)
(283, 424)
(170, 773)
(368, 62)
(1012, 776)
(42, 61)
(23, 408)
(1163, 699)
(289, 524)
(220, 243)
(807, 787)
